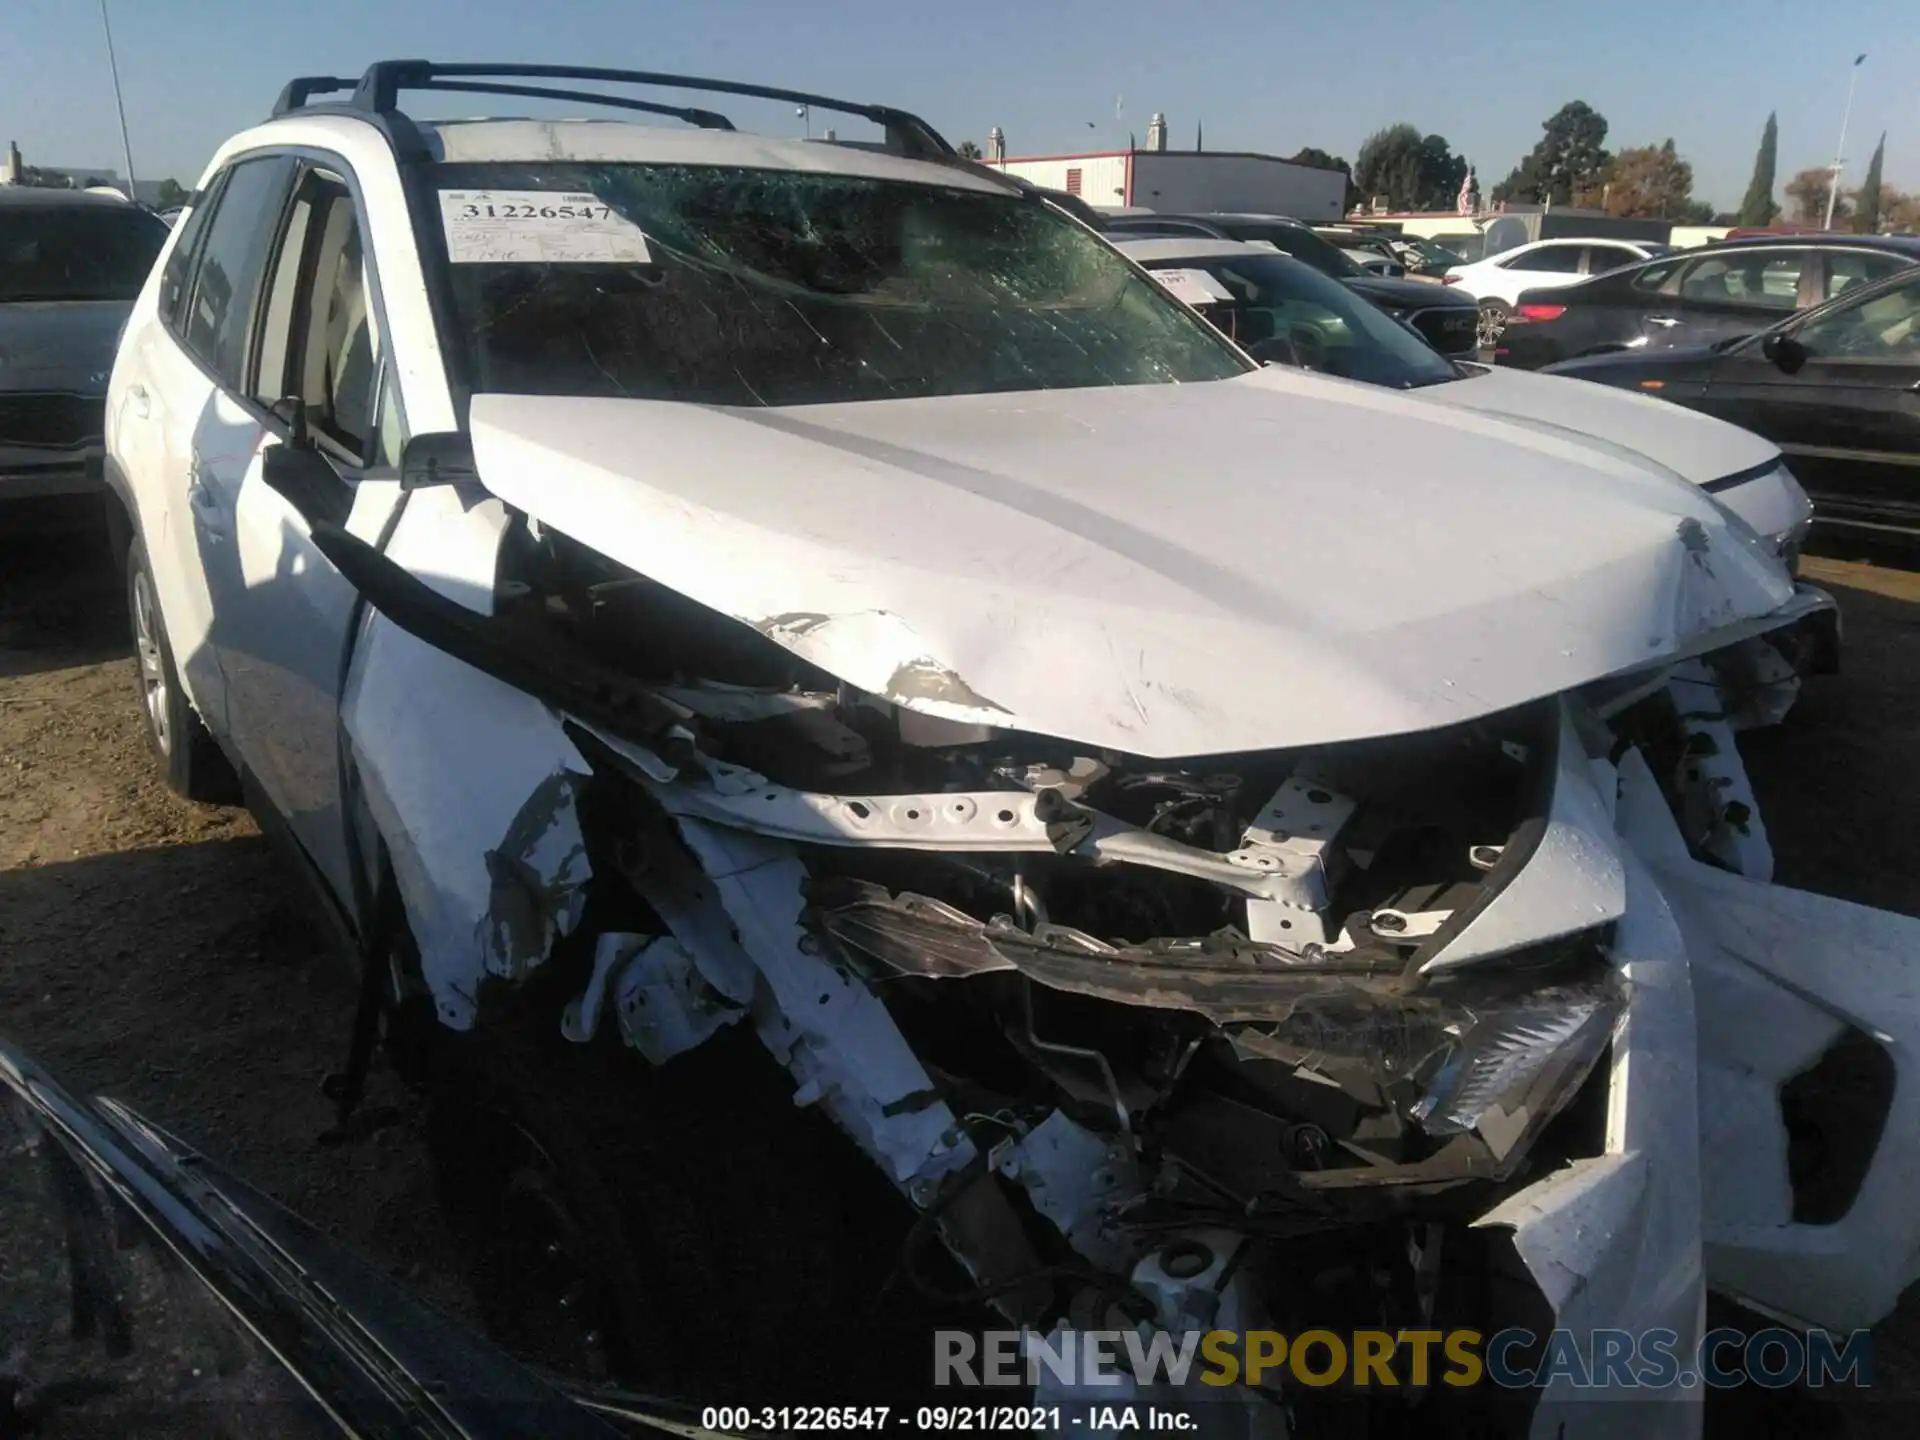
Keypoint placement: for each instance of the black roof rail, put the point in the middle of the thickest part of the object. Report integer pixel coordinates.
(705, 119)
(299, 89)
(378, 93)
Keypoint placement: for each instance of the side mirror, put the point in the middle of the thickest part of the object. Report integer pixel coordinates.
(291, 411)
(1785, 351)
(439, 457)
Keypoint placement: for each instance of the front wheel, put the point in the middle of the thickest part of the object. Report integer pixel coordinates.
(1494, 315)
(189, 760)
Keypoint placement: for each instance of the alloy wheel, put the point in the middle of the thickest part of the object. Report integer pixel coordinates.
(153, 665)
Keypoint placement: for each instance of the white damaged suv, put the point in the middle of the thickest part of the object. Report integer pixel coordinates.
(792, 662)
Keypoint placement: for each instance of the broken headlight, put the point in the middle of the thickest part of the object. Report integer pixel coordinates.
(1458, 1077)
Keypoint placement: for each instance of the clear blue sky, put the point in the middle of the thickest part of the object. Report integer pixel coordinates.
(1261, 76)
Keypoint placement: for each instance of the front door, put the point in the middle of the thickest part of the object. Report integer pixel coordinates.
(1849, 416)
(284, 628)
(1733, 292)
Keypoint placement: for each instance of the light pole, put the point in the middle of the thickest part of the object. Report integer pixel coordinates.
(113, 68)
(1833, 189)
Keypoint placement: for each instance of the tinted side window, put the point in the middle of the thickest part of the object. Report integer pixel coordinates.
(1602, 258)
(1549, 260)
(1654, 276)
(177, 283)
(318, 339)
(1886, 327)
(1769, 279)
(1846, 268)
(219, 318)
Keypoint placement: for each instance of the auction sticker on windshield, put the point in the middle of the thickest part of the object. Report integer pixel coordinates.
(1196, 287)
(537, 227)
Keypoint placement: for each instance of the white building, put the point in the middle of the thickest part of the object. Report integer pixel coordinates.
(13, 168)
(1174, 181)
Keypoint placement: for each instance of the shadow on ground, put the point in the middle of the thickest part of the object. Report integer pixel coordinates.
(62, 600)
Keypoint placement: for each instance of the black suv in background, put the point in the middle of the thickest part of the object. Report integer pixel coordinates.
(1445, 320)
(1695, 297)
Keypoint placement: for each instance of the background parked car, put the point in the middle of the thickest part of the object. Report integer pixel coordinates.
(1444, 320)
(1496, 282)
(1369, 250)
(1415, 257)
(71, 264)
(1837, 388)
(1287, 313)
(1696, 297)
(1283, 310)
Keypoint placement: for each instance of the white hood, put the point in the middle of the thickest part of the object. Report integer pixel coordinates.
(1693, 446)
(1277, 560)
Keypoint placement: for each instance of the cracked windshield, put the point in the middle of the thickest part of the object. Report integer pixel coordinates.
(763, 287)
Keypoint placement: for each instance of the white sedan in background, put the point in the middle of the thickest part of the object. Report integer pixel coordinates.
(1496, 282)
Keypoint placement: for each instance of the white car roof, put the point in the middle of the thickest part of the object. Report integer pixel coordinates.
(1191, 247)
(519, 140)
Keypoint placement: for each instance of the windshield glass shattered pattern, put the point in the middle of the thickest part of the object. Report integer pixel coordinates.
(774, 287)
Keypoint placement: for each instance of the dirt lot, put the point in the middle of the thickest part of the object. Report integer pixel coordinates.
(149, 948)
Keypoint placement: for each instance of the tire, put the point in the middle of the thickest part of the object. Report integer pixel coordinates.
(189, 760)
(658, 1227)
(1494, 315)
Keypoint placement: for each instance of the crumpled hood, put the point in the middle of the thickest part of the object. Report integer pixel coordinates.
(62, 345)
(1696, 447)
(1277, 560)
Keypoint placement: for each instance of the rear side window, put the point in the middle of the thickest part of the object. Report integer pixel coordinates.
(219, 319)
(76, 252)
(1652, 277)
(1548, 260)
(1847, 268)
(1767, 279)
(1602, 258)
(177, 284)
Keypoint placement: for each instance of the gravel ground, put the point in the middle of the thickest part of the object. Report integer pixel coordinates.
(149, 948)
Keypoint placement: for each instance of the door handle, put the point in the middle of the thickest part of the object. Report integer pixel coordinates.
(1665, 322)
(142, 406)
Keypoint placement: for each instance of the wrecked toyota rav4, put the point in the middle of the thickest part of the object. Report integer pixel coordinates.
(796, 667)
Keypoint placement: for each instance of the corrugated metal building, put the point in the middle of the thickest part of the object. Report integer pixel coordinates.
(1172, 181)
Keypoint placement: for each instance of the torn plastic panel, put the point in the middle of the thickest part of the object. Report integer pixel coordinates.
(1781, 975)
(471, 782)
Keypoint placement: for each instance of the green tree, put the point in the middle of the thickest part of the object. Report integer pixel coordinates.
(1900, 210)
(1866, 200)
(172, 192)
(1407, 170)
(1569, 159)
(1808, 192)
(1758, 208)
(1321, 160)
(1649, 182)
(967, 150)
